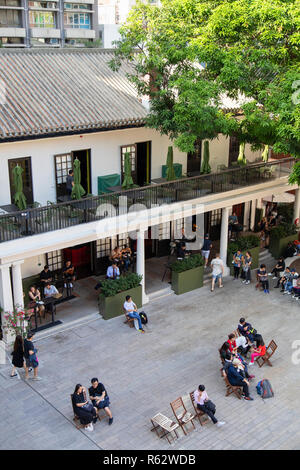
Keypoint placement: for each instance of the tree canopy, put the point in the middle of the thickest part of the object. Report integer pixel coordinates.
(188, 54)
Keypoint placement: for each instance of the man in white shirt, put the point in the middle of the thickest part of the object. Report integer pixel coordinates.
(217, 271)
(131, 310)
(206, 405)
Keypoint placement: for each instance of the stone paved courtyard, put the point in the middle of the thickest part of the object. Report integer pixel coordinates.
(144, 373)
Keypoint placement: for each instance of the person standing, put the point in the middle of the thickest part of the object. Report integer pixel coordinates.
(247, 262)
(17, 356)
(237, 261)
(207, 246)
(70, 183)
(31, 359)
(206, 405)
(99, 397)
(217, 271)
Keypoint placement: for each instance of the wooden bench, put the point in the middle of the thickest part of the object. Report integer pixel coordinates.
(261, 360)
(164, 427)
(236, 389)
(202, 417)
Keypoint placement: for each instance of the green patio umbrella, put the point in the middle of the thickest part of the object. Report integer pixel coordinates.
(265, 154)
(170, 173)
(206, 168)
(19, 197)
(77, 191)
(128, 181)
(241, 157)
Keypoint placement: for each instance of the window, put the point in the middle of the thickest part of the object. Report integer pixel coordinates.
(41, 19)
(12, 41)
(11, 18)
(234, 146)
(54, 259)
(131, 149)
(10, 3)
(123, 240)
(103, 247)
(77, 6)
(25, 163)
(63, 163)
(42, 4)
(178, 225)
(77, 20)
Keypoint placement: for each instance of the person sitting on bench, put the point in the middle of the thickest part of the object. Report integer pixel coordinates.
(99, 397)
(206, 405)
(131, 310)
(113, 272)
(236, 379)
(85, 411)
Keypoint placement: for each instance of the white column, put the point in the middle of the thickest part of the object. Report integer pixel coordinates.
(297, 205)
(6, 299)
(140, 261)
(224, 239)
(17, 284)
(253, 211)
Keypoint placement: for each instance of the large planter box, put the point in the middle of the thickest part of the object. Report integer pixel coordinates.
(187, 280)
(110, 307)
(255, 259)
(277, 246)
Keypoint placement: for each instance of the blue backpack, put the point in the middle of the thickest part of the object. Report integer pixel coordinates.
(264, 389)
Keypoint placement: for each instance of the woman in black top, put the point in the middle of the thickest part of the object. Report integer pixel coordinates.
(17, 355)
(84, 409)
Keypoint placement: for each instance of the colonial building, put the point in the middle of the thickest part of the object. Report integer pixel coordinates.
(61, 105)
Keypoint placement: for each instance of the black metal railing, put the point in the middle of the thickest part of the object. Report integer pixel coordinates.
(44, 219)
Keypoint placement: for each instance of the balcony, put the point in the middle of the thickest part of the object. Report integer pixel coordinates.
(15, 225)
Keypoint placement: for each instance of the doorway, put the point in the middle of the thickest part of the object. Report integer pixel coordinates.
(194, 159)
(140, 159)
(24, 163)
(63, 163)
(81, 257)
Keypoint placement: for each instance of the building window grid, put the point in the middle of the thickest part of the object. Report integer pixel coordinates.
(216, 217)
(54, 259)
(123, 240)
(103, 247)
(132, 152)
(42, 19)
(164, 231)
(77, 20)
(63, 165)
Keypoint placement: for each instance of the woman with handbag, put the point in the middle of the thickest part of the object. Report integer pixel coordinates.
(206, 405)
(84, 409)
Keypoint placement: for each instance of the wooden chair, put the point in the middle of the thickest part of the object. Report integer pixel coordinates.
(202, 417)
(261, 360)
(129, 321)
(236, 389)
(164, 427)
(181, 414)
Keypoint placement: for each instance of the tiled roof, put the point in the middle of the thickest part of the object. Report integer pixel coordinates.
(47, 92)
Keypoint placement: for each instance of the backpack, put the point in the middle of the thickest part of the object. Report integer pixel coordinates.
(144, 318)
(264, 389)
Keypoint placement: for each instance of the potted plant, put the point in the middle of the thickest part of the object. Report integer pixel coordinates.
(114, 292)
(280, 236)
(187, 274)
(249, 243)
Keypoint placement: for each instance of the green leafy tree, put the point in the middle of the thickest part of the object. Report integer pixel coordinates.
(247, 48)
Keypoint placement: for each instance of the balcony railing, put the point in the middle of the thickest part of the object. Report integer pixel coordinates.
(44, 219)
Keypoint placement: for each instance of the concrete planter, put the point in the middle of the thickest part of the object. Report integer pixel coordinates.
(110, 307)
(187, 280)
(277, 246)
(255, 258)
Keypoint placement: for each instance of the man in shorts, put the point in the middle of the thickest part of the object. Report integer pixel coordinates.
(217, 271)
(30, 357)
(207, 246)
(99, 397)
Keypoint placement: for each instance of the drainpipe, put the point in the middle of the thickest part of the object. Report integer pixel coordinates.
(61, 23)
(26, 22)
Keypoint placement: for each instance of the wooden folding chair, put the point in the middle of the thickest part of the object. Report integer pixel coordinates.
(181, 414)
(236, 389)
(261, 360)
(164, 427)
(202, 417)
(129, 321)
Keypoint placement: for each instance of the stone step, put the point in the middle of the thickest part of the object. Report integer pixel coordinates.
(160, 293)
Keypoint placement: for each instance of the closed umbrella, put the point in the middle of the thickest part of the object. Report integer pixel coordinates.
(128, 181)
(77, 191)
(170, 174)
(19, 197)
(206, 168)
(241, 157)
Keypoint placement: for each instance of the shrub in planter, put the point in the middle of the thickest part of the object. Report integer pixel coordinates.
(280, 236)
(112, 287)
(187, 274)
(113, 293)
